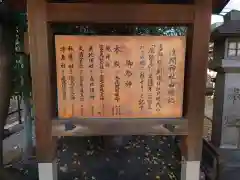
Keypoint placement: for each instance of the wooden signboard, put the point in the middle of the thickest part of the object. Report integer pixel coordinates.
(120, 76)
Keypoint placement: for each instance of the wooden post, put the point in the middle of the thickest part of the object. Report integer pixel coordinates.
(42, 90)
(197, 59)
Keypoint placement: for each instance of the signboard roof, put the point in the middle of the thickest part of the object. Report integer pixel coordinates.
(218, 5)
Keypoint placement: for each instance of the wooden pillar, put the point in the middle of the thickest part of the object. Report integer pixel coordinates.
(42, 89)
(197, 60)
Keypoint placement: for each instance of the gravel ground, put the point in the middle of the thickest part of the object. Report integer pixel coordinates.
(140, 158)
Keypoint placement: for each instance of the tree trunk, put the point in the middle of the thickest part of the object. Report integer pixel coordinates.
(7, 51)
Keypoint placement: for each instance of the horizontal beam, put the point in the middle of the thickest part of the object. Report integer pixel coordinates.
(20, 5)
(98, 126)
(120, 13)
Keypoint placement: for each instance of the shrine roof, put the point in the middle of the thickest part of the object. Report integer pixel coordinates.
(228, 29)
(218, 5)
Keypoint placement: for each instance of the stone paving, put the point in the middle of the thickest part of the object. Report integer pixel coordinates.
(208, 119)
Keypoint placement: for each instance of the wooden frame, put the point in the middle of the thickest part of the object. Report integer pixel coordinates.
(41, 69)
(197, 16)
(131, 126)
(133, 13)
(197, 62)
(20, 5)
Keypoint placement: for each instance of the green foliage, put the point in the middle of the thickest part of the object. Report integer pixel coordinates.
(16, 67)
(21, 81)
(119, 30)
(165, 31)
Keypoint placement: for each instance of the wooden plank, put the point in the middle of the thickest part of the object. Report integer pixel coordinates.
(20, 5)
(96, 126)
(40, 70)
(120, 76)
(197, 60)
(105, 121)
(120, 13)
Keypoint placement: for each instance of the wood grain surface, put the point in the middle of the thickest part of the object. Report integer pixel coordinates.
(120, 76)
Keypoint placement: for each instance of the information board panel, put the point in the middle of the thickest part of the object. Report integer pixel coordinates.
(120, 76)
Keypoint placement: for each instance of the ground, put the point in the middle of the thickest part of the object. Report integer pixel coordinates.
(140, 157)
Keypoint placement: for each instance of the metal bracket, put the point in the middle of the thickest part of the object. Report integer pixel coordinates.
(69, 126)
